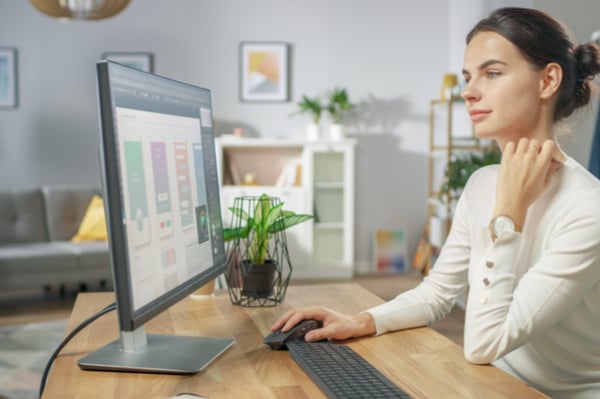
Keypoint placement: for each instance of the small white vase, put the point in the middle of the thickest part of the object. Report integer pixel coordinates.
(313, 132)
(336, 132)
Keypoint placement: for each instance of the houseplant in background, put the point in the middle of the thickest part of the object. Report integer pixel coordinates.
(259, 267)
(337, 106)
(314, 107)
(460, 167)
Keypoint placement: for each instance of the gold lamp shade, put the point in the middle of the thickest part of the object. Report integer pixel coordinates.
(449, 82)
(80, 9)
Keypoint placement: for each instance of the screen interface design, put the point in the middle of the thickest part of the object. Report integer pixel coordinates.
(165, 212)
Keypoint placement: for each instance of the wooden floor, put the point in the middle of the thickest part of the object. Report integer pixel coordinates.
(38, 306)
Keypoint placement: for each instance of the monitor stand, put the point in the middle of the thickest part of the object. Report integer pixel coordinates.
(165, 354)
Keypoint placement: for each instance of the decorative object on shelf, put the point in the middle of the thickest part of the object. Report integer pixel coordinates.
(314, 107)
(337, 106)
(80, 9)
(8, 77)
(264, 71)
(140, 60)
(259, 267)
(449, 88)
(390, 251)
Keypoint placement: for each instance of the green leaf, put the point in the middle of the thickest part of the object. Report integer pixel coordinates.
(288, 221)
(268, 218)
(239, 212)
(236, 233)
(273, 214)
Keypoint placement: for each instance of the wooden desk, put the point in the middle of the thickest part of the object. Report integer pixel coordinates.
(421, 361)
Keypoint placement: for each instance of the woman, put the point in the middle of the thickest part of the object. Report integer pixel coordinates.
(526, 234)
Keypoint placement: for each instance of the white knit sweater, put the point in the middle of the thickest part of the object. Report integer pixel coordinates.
(533, 306)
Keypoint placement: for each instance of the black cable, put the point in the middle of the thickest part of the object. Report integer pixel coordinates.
(66, 340)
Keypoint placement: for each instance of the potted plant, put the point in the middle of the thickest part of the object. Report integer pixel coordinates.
(259, 251)
(458, 170)
(313, 107)
(338, 104)
(461, 167)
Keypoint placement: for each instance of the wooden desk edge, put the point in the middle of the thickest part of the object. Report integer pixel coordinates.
(347, 296)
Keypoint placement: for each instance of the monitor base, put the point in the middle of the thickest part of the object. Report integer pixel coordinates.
(163, 354)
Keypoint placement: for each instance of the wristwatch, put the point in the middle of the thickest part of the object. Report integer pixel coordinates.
(501, 224)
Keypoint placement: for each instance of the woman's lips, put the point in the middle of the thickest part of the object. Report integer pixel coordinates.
(477, 115)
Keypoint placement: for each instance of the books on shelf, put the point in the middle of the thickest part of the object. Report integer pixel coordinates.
(291, 174)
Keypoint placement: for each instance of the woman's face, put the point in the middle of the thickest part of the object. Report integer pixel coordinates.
(503, 90)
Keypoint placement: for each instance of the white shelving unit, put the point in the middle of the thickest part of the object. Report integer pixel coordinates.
(450, 132)
(309, 177)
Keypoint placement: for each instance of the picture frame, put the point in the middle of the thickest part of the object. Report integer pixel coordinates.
(391, 251)
(140, 60)
(264, 71)
(8, 77)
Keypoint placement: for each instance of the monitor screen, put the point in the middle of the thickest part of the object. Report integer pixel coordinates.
(161, 189)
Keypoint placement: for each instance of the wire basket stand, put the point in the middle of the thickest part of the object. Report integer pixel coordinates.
(250, 284)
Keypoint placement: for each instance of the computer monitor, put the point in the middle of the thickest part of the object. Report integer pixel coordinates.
(161, 190)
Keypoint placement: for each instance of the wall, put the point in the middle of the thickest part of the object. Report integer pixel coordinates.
(389, 54)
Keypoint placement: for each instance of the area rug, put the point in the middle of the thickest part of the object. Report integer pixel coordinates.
(24, 352)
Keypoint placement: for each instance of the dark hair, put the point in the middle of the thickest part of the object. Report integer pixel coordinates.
(541, 40)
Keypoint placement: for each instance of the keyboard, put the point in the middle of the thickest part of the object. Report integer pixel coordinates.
(341, 373)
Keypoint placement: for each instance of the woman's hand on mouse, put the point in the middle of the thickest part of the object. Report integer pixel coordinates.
(336, 325)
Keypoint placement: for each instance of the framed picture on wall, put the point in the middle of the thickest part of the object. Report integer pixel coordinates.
(264, 71)
(140, 60)
(8, 77)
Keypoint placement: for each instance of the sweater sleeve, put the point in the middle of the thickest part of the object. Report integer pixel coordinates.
(431, 300)
(503, 312)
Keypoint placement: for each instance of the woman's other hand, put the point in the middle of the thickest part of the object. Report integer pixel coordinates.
(525, 171)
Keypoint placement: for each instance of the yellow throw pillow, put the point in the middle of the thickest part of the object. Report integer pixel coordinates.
(93, 225)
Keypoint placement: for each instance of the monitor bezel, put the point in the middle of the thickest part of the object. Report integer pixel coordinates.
(129, 318)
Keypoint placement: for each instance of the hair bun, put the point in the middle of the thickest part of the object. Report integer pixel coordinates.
(587, 61)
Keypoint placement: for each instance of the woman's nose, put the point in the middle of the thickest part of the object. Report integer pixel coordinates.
(470, 92)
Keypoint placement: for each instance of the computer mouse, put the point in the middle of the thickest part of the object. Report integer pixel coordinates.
(277, 339)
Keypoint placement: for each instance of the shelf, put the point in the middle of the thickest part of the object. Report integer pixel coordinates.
(329, 226)
(448, 122)
(322, 185)
(329, 186)
(328, 246)
(456, 147)
(328, 167)
(329, 206)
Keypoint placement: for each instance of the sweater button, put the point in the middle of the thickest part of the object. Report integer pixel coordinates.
(489, 264)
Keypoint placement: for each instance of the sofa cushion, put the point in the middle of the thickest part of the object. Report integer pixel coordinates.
(22, 217)
(93, 225)
(65, 207)
(31, 257)
(50, 263)
(89, 254)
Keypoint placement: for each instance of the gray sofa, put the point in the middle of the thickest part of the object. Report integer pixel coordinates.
(36, 226)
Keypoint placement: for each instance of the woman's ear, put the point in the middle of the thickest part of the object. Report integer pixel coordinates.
(550, 82)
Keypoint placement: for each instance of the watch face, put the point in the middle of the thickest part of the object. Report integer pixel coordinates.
(503, 223)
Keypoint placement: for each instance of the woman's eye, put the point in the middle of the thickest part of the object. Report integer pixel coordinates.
(493, 74)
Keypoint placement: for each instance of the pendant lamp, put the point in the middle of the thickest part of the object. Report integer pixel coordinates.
(80, 9)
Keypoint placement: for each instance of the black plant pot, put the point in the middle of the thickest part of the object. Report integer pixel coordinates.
(257, 280)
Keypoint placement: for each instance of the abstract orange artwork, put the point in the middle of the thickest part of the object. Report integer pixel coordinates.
(264, 72)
